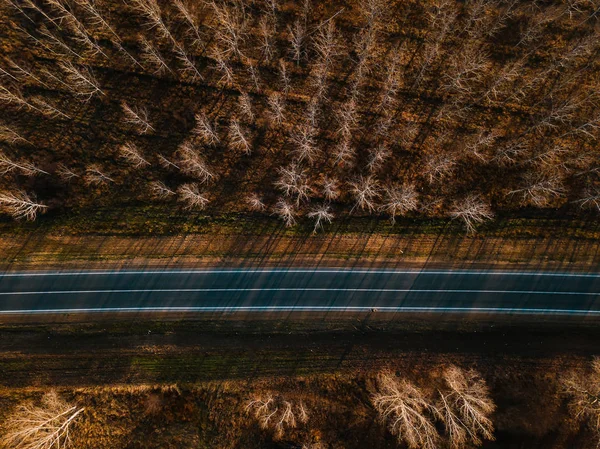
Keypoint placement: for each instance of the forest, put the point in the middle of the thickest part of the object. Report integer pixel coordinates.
(302, 110)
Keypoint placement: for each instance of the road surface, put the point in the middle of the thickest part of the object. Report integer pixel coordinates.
(352, 290)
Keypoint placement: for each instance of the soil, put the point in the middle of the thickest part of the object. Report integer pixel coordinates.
(113, 368)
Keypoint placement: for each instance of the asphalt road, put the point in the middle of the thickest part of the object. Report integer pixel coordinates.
(460, 291)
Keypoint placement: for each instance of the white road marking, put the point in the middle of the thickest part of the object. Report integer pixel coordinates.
(501, 310)
(295, 289)
(293, 270)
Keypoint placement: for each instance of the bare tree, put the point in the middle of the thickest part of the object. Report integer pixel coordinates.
(591, 199)
(503, 80)
(408, 133)
(472, 210)
(44, 426)
(188, 67)
(466, 69)
(312, 113)
(439, 166)
(266, 29)
(255, 202)
(365, 42)
(406, 411)
(8, 165)
(510, 152)
(224, 67)
(21, 73)
(539, 189)
(96, 18)
(344, 152)
(273, 6)
(285, 211)
(480, 142)
(305, 144)
(366, 192)
(297, 37)
(166, 163)
(230, 28)
(263, 409)
(347, 118)
(318, 81)
(47, 109)
(30, 4)
(193, 164)
(190, 195)
(276, 413)
(392, 83)
(159, 190)
(79, 33)
(81, 81)
(284, 78)
(286, 419)
(151, 11)
(377, 157)
(54, 43)
(15, 97)
(276, 108)
(465, 410)
(137, 117)
(331, 189)
(584, 396)
(131, 154)
(185, 13)
(152, 57)
(94, 176)
(400, 200)
(326, 42)
(557, 115)
(205, 129)
(293, 181)
(65, 173)
(11, 136)
(321, 213)
(238, 138)
(20, 205)
(254, 76)
(245, 106)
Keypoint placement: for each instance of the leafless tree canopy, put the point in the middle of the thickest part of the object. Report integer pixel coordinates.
(277, 414)
(193, 164)
(47, 425)
(321, 213)
(466, 112)
(400, 200)
(405, 411)
(466, 408)
(159, 190)
(472, 211)
(191, 196)
(463, 407)
(137, 117)
(366, 191)
(255, 202)
(8, 165)
(20, 205)
(583, 392)
(95, 176)
(205, 129)
(132, 155)
(285, 211)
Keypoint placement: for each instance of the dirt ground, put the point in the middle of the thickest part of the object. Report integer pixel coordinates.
(37, 250)
(203, 372)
